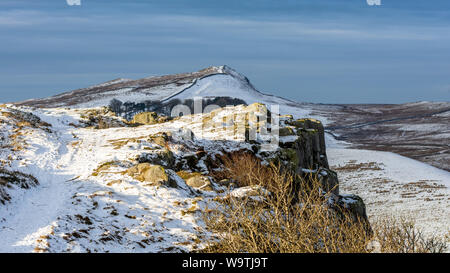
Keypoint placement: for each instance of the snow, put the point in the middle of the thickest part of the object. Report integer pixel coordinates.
(236, 86)
(224, 82)
(391, 184)
(47, 214)
(112, 212)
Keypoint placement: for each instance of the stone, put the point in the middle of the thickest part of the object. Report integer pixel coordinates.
(163, 157)
(286, 131)
(329, 180)
(146, 118)
(200, 182)
(253, 193)
(154, 175)
(160, 138)
(108, 122)
(196, 180)
(257, 108)
(354, 206)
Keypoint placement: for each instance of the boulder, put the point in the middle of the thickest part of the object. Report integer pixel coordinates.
(163, 157)
(160, 138)
(200, 182)
(197, 180)
(153, 175)
(352, 205)
(253, 193)
(329, 180)
(109, 122)
(146, 118)
(312, 124)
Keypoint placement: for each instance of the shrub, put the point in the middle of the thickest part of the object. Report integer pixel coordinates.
(401, 235)
(297, 223)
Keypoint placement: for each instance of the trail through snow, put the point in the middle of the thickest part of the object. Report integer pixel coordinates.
(31, 214)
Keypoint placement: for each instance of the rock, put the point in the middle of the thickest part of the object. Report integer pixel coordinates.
(229, 183)
(108, 122)
(200, 182)
(286, 131)
(160, 138)
(154, 175)
(290, 158)
(257, 108)
(146, 118)
(252, 193)
(197, 180)
(316, 127)
(163, 157)
(354, 206)
(329, 180)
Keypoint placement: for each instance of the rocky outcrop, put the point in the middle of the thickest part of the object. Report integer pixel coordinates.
(101, 118)
(352, 205)
(303, 149)
(243, 129)
(148, 118)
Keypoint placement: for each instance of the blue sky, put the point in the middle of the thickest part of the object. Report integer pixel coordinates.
(328, 51)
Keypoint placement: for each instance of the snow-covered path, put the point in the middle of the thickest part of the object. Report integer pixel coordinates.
(391, 184)
(70, 202)
(32, 212)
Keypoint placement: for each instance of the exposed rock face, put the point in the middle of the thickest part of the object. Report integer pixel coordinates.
(355, 204)
(162, 157)
(352, 205)
(303, 149)
(106, 123)
(195, 157)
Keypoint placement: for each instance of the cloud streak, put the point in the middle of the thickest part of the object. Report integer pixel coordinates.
(270, 29)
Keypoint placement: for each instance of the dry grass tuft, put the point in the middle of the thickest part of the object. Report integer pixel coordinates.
(297, 223)
(400, 235)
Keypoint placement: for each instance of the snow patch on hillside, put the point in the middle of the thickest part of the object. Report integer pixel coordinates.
(391, 184)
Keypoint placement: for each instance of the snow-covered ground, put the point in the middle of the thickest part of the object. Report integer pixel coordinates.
(393, 185)
(79, 206)
(102, 214)
(75, 210)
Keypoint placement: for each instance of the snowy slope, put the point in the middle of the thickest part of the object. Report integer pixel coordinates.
(393, 185)
(216, 81)
(79, 207)
(73, 210)
(235, 85)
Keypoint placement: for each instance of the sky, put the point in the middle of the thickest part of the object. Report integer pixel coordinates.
(322, 51)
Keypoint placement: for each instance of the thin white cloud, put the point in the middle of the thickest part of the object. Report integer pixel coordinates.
(268, 29)
(21, 18)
